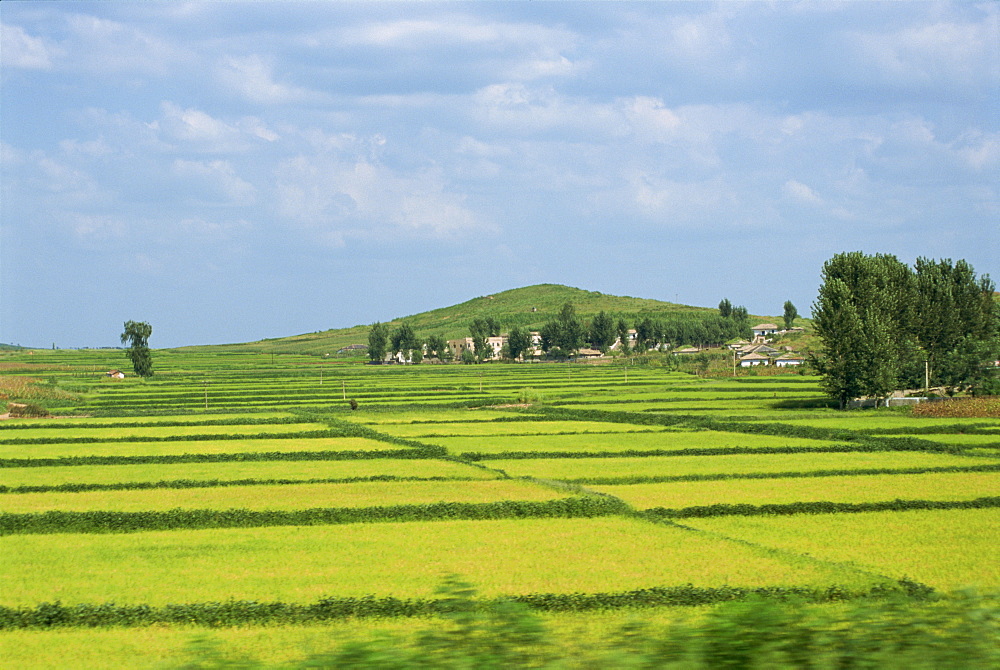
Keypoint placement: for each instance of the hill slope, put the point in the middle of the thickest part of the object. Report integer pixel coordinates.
(530, 307)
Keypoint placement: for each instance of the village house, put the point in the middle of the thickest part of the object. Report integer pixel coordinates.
(762, 330)
(115, 374)
(789, 360)
(751, 360)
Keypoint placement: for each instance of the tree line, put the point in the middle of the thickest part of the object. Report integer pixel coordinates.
(566, 334)
(885, 326)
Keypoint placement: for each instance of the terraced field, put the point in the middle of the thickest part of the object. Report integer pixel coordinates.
(249, 479)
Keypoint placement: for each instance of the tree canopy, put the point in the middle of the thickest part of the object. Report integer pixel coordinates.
(136, 336)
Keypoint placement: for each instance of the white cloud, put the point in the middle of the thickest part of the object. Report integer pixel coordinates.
(798, 192)
(21, 50)
(215, 181)
(343, 199)
(252, 77)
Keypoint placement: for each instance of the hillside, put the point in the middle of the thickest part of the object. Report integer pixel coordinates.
(530, 307)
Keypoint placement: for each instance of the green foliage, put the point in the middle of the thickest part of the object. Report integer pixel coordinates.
(103, 521)
(818, 507)
(602, 332)
(27, 410)
(136, 336)
(378, 341)
(790, 314)
(518, 342)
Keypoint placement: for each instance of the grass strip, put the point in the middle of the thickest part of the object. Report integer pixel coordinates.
(819, 507)
(424, 451)
(248, 612)
(130, 522)
(213, 483)
(713, 451)
(649, 479)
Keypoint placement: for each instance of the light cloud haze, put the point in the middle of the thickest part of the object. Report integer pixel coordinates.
(230, 171)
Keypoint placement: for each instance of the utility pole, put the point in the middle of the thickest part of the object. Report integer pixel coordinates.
(343, 386)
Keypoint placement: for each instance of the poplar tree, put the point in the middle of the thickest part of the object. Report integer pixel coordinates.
(378, 338)
(136, 336)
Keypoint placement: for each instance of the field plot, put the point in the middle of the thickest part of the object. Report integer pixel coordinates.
(504, 428)
(147, 432)
(946, 549)
(207, 473)
(961, 440)
(785, 490)
(874, 422)
(643, 442)
(194, 447)
(417, 417)
(279, 497)
(655, 467)
(301, 564)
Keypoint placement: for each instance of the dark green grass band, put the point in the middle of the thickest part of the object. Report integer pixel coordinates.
(818, 507)
(243, 612)
(101, 521)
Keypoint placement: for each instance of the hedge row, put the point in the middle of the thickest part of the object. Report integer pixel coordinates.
(101, 521)
(641, 479)
(302, 434)
(244, 613)
(239, 421)
(213, 483)
(818, 507)
(428, 451)
(711, 451)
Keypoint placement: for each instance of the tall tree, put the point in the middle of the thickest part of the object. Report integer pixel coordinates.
(622, 328)
(956, 324)
(404, 340)
(136, 336)
(378, 340)
(480, 330)
(725, 308)
(518, 342)
(436, 346)
(861, 317)
(602, 332)
(790, 314)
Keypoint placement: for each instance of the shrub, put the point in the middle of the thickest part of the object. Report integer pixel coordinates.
(27, 410)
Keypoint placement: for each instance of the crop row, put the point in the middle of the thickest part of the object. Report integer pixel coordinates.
(818, 507)
(303, 434)
(130, 522)
(427, 451)
(213, 483)
(243, 613)
(238, 420)
(654, 479)
(718, 451)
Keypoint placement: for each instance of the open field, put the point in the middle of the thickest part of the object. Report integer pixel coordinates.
(470, 482)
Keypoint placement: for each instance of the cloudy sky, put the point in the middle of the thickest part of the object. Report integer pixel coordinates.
(231, 171)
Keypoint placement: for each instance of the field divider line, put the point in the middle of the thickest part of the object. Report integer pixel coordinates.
(654, 479)
(818, 507)
(236, 613)
(106, 521)
(346, 455)
(217, 483)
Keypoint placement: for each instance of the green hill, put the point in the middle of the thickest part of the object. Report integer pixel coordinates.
(530, 307)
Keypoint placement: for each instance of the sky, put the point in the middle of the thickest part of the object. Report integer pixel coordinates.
(232, 171)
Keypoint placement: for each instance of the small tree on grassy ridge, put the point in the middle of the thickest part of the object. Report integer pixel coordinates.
(136, 336)
(790, 314)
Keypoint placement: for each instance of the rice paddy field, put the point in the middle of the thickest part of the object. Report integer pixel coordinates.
(246, 481)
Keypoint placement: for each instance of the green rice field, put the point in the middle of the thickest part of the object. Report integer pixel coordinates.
(568, 499)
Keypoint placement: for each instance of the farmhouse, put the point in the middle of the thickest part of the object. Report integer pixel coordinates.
(754, 359)
(115, 374)
(762, 330)
(789, 360)
(466, 344)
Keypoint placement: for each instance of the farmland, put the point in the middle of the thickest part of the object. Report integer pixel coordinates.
(245, 481)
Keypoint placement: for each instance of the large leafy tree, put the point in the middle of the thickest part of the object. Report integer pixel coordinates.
(404, 340)
(602, 332)
(378, 340)
(861, 317)
(563, 335)
(136, 336)
(622, 328)
(481, 330)
(956, 325)
(518, 342)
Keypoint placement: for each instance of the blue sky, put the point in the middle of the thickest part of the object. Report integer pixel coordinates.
(232, 171)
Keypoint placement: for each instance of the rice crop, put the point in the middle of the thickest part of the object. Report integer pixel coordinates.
(302, 564)
(146, 432)
(850, 489)
(598, 469)
(279, 497)
(658, 441)
(207, 473)
(946, 549)
(502, 428)
(241, 446)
